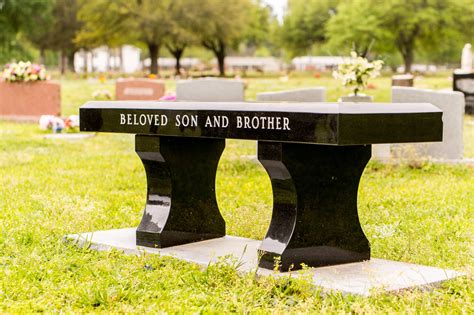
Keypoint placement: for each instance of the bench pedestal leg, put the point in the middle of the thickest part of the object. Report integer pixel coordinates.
(181, 204)
(315, 219)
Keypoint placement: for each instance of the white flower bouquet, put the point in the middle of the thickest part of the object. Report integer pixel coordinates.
(24, 72)
(356, 71)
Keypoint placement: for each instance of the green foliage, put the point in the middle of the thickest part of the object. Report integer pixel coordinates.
(223, 27)
(435, 28)
(304, 24)
(104, 23)
(17, 18)
(357, 27)
(43, 37)
(66, 25)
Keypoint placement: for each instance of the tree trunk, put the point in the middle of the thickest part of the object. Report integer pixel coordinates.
(63, 62)
(220, 61)
(42, 56)
(122, 69)
(220, 55)
(218, 48)
(70, 61)
(408, 60)
(86, 61)
(153, 50)
(177, 53)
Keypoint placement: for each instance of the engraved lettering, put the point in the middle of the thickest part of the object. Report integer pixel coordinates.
(246, 122)
(225, 121)
(271, 122)
(278, 123)
(286, 123)
(255, 122)
(208, 122)
(239, 122)
(217, 121)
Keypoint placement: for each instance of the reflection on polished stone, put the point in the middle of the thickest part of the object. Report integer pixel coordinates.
(181, 204)
(315, 219)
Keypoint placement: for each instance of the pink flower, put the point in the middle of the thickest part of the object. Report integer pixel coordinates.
(169, 97)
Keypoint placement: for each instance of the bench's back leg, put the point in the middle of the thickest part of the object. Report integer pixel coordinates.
(315, 219)
(181, 204)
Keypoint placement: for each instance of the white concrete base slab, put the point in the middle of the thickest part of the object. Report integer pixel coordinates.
(364, 278)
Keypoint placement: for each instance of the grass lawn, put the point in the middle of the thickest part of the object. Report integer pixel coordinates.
(48, 188)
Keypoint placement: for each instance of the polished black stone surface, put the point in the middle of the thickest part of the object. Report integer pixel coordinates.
(181, 204)
(464, 82)
(315, 219)
(321, 123)
(314, 153)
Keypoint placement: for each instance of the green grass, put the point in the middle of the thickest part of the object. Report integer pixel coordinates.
(51, 188)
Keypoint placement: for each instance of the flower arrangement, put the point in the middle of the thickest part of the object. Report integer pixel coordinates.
(356, 71)
(57, 124)
(24, 72)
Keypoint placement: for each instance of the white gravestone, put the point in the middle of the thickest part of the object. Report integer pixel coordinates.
(210, 90)
(317, 94)
(452, 105)
(466, 59)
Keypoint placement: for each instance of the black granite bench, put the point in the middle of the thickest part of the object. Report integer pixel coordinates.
(314, 153)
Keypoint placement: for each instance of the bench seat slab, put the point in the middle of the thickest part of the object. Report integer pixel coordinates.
(181, 204)
(315, 219)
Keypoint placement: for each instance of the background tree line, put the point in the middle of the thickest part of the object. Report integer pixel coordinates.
(395, 30)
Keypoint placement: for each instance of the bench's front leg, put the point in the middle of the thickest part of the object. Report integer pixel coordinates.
(181, 204)
(315, 219)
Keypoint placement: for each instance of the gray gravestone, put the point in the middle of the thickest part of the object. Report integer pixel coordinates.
(210, 90)
(452, 105)
(317, 94)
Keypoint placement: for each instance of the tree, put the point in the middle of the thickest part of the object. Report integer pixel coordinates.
(103, 23)
(357, 27)
(42, 37)
(17, 17)
(146, 21)
(181, 35)
(304, 23)
(224, 25)
(258, 28)
(65, 27)
(405, 26)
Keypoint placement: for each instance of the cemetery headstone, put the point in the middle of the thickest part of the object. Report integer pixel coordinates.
(317, 94)
(403, 80)
(139, 89)
(28, 101)
(210, 90)
(452, 105)
(464, 82)
(466, 59)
